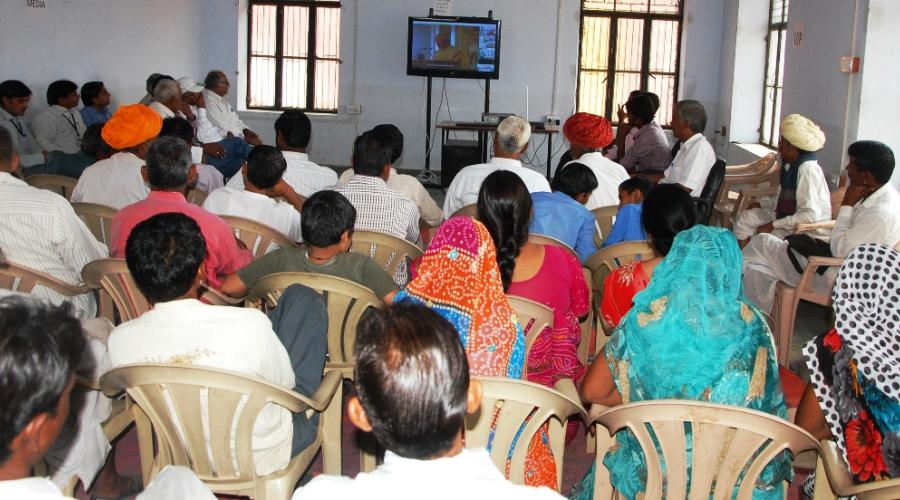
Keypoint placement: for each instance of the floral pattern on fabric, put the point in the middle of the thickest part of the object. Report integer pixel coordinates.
(619, 290)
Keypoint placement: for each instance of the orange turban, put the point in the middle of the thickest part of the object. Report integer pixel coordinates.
(131, 125)
(588, 130)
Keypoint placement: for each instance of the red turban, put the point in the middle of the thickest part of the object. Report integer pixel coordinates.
(588, 130)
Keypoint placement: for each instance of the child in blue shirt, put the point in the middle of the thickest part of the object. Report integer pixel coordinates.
(628, 225)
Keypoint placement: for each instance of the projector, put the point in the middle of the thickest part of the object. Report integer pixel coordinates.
(495, 118)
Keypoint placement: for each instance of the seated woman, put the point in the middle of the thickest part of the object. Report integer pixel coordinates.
(547, 274)
(690, 335)
(667, 211)
(854, 396)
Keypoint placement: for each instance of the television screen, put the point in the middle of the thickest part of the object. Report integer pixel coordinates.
(454, 47)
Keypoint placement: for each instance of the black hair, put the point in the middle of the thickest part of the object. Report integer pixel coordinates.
(637, 182)
(89, 92)
(212, 78)
(179, 127)
(168, 162)
(325, 217)
(387, 133)
(265, 166)
(92, 142)
(13, 89)
(7, 149)
(60, 89)
(370, 155)
(163, 254)
(412, 379)
(40, 348)
(875, 157)
(574, 179)
(153, 79)
(642, 107)
(295, 128)
(667, 211)
(504, 207)
(653, 98)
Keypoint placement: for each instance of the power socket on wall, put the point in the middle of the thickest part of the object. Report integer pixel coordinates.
(353, 109)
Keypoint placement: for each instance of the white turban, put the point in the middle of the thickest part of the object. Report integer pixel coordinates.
(802, 133)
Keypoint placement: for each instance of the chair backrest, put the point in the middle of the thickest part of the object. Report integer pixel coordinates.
(606, 260)
(389, 251)
(196, 196)
(112, 278)
(59, 184)
(258, 237)
(470, 210)
(833, 480)
(605, 217)
(345, 300)
(734, 174)
(710, 192)
(23, 280)
(534, 318)
(543, 239)
(727, 441)
(98, 218)
(512, 411)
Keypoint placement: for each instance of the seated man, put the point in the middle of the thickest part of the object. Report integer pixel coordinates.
(60, 127)
(219, 110)
(378, 207)
(208, 178)
(695, 157)
(292, 134)
(93, 149)
(165, 255)
(803, 196)
(870, 213)
(650, 150)
(510, 143)
(402, 183)
(326, 225)
(167, 99)
(628, 225)
(169, 172)
(587, 135)
(40, 230)
(413, 392)
(117, 181)
(95, 98)
(14, 100)
(263, 182)
(561, 214)
(148, 86)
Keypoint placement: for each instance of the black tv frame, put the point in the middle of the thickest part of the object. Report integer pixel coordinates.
(453, 73)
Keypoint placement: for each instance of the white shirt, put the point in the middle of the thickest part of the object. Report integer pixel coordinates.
(40, 230)
(812, 197)
(204, 130)
(410, 186)
(873, 220)
(464, 188)
(303, 175)
(609, 175)
(173, 482)
(470, 475)
(163, 111)
(258, 207)
(115, 182)
(691, 164)
(230, 338)
(23, 140)
(59, 129)
(222, 115)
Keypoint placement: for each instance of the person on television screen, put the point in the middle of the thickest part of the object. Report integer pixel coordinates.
(447, 52)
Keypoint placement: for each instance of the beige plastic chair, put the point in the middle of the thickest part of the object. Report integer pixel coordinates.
(833, 480)
(389, 251)
(22, 279)
(117, 289)
(258, 237)
(196, 196)
(98, 218)
(543, 239)
(511, 402)
(605, 217)
(727, 440)
(59, 184)
(534, 318)
(470, 210)
(174, 398)
(744, 184)
(605, 261)
(346, 302)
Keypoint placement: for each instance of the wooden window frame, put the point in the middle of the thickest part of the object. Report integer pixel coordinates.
(781, 28)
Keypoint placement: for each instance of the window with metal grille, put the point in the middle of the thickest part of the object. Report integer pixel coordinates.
(628, 45)
(776, 40)
(293, 54)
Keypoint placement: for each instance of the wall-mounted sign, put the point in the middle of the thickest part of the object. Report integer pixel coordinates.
(798, 35)
(443, 7)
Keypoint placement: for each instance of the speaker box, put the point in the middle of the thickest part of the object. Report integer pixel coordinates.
(455, 155)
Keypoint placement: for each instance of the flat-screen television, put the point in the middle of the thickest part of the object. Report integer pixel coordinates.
(458, 47)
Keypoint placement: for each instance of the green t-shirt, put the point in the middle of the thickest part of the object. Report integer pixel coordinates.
(348, 265)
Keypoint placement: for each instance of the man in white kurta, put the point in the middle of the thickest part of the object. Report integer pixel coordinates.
(219, 110)
(588, 134)
(695, 157)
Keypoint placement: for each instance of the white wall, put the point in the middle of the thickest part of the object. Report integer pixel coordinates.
(701, 46)
(119, 42)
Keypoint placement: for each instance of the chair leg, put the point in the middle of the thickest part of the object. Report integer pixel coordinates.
(785, 310)
(822, 489)
(332, 427)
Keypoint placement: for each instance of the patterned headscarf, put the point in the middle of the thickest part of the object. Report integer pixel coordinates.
(459, 279)
(588, 130)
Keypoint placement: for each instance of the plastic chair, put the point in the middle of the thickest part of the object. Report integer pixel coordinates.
(534, 318)
(23, 279)
(389, 251)
(763, 171)
(833, 480)
(346, 302)
(59, 184)
(97, 218)
(710, 192)
(258, 237)
(117, 289)
(196, 196)
(505, 408)
(470, 210)
(175, 398)
(605, 217)
(543, 239)
(606, 260)
(727, 440)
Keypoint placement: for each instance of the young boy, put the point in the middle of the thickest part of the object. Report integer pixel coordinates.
(413, 393)
(628, 225)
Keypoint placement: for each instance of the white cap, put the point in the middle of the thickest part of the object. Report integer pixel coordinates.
(189, 85)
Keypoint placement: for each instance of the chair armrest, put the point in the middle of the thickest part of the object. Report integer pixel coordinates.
(566, 387)
(325, 393)
(816, 262)
(595, 411)
(813, 226)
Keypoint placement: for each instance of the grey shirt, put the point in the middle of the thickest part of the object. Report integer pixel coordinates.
(23, 140)
(650, 150)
